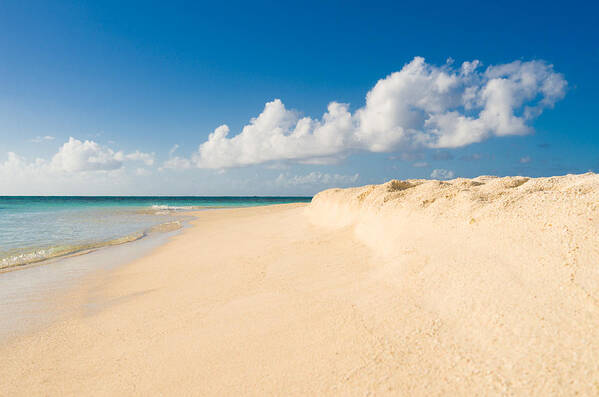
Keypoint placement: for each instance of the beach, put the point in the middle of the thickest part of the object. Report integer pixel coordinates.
(484, 286)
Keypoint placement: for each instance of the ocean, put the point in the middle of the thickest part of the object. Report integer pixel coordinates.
(34, 229)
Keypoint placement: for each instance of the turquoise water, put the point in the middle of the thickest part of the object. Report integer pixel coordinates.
(34, 229)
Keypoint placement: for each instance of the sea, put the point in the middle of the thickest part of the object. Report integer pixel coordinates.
(36, 229)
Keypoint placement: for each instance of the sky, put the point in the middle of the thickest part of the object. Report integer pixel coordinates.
(268, 98)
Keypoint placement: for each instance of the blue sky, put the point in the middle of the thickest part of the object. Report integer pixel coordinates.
(130, 81)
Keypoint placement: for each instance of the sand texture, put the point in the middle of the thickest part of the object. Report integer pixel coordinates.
(485, 286)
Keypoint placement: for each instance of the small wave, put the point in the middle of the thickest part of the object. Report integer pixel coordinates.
(175, 207)
(42, 254)
(35, 255)
(168, 209)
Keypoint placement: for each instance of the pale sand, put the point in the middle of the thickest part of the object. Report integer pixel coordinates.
(485, 286)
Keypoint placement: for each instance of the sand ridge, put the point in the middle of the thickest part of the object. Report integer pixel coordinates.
(485, 286)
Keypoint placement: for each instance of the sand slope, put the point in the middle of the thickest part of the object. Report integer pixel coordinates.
(498, 278)
(487, 286)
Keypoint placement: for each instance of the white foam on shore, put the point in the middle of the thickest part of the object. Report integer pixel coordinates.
(175, 207)
(18, 259)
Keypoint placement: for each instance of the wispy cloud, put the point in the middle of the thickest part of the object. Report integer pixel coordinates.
(471, 157)
(146, 158)
(408, 156)
(440, 173)
(317, 178)
(173, 150)
(442, 155)
(177, 163)
(40, 139)
(525, 160)
(142, 172)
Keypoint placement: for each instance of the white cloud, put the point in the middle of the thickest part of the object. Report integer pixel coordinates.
(421, 105)
(17, 165)
(21, 176)
(76, 156)
(173, 150)
(279, 134)
(442, 155)
(471, 157)
(39, 139)
(440, 173)
(177, 163)
(317, 178)
(82, 156)
(146, 158)
(525, 160)
(142, 172)
(420, 164)
(408, 156)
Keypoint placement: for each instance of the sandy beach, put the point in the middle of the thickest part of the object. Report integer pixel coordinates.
(485, 286)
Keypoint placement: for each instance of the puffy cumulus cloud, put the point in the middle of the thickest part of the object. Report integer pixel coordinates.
(422, 105)
(78, 167)
(17, 165)
(440, 173)
(74, 157)
(81, 156)
(279, 134)
(19, 175)
(317, 178)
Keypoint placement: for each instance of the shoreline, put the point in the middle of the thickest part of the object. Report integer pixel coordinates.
(28, 291)
(469, 286)
(88, 248)
(65, 272)
(73, 208)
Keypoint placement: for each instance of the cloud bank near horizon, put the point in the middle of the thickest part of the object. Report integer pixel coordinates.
(422, 105)
(73, 157)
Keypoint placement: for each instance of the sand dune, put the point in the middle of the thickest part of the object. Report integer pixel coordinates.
(481, 286)
(502, 274)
